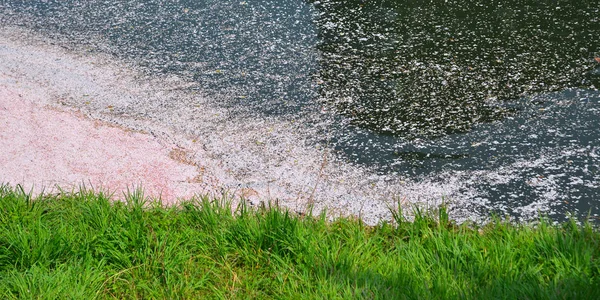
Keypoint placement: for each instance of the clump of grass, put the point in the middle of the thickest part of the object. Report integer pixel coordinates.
(83, 245)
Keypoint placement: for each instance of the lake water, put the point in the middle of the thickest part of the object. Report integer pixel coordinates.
(501, 97)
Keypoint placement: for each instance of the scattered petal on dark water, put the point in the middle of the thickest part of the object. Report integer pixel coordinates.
(499, 94)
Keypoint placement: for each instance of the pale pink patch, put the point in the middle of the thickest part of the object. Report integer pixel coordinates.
(44, 148)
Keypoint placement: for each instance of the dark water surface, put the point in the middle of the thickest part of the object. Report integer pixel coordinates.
(499, 94)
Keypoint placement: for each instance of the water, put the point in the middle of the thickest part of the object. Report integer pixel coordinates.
(499, 96)
(258, 53)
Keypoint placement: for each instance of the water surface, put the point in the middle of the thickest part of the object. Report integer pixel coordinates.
(500, 97)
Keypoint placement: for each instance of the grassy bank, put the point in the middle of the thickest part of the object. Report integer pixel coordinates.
(83, 246)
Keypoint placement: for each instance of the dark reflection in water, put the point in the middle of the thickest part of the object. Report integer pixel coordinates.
(429, 68)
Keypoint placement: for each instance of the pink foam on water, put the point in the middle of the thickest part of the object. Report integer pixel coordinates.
(43, 148)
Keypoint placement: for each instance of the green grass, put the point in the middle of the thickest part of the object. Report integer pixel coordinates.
(84, 246)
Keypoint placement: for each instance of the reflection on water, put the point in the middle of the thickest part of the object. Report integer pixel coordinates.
(415, 70)
(499, 94)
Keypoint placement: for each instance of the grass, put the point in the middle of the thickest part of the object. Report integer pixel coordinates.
(84, 246)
